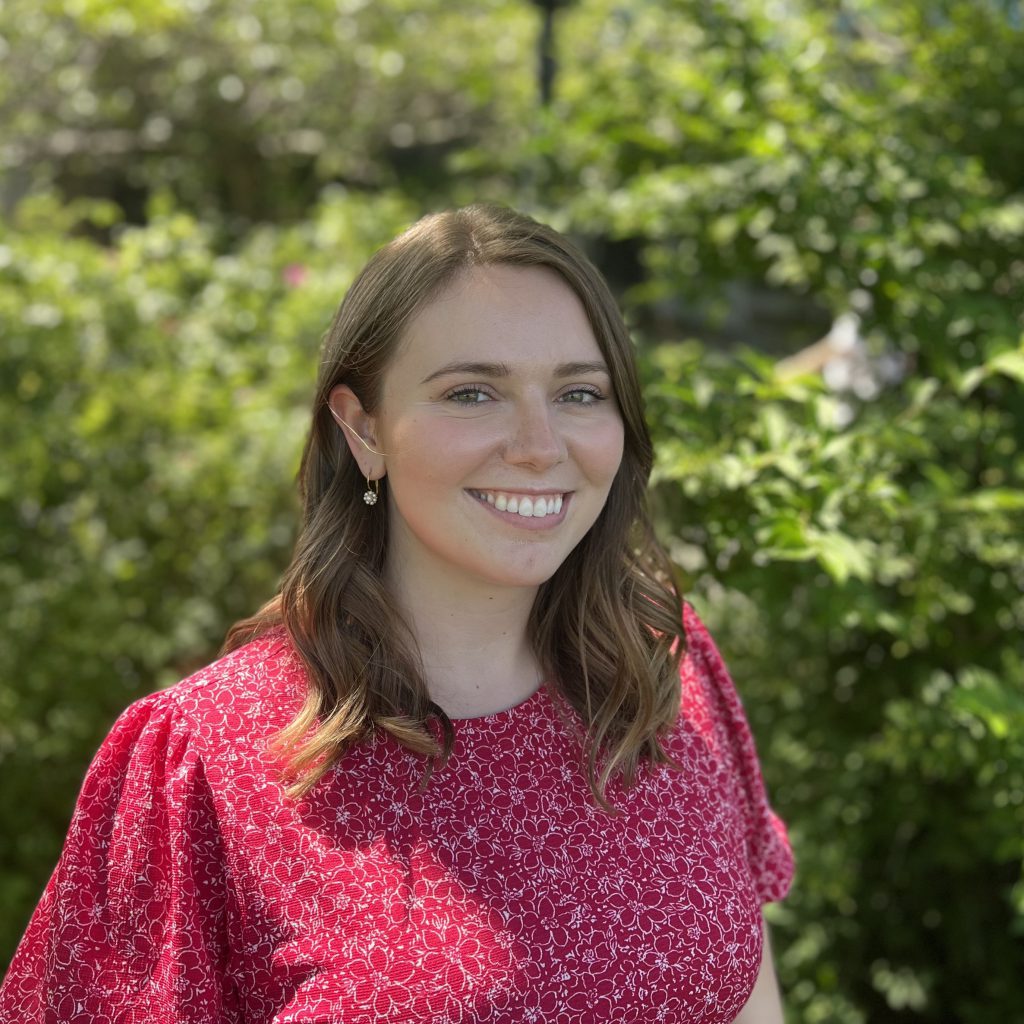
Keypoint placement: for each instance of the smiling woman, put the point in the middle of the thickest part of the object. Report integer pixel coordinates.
(477, 760)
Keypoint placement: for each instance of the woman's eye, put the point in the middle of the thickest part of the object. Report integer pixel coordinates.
(582, 396)
(468, 396)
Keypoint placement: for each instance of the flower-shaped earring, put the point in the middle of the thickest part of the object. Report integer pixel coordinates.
(372, 492)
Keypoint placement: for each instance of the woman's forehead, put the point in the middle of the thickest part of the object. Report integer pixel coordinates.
(510, 315)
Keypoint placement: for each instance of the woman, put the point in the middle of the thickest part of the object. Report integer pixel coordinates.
(449, 773)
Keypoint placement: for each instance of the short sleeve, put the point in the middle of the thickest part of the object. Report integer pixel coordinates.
(767, 842)
(131, 927)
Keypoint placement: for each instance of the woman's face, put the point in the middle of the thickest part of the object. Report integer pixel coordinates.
(503, 431)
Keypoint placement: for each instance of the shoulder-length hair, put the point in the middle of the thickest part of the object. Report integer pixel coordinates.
(607, 626)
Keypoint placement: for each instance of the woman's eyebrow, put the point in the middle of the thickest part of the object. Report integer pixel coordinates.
(504, 370)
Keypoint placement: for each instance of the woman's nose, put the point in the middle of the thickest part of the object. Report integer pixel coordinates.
(536, 440)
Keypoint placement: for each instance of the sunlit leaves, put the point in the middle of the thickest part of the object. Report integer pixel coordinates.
(150, 444)
(885, 561)
(1010, 363)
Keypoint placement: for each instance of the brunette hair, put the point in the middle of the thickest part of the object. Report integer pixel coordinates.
(607, 627)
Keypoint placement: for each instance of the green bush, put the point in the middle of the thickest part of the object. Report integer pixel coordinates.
(160, 398)
(867, 583)
(246, 109)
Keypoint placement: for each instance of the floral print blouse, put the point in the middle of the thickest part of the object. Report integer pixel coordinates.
(191, 890)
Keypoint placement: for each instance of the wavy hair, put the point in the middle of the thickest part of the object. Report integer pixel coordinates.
(607, 626)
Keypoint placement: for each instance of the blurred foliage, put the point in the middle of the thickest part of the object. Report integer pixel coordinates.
(160, 398)
(189, 186)
(244, 109)
(868, 582)
(807, 148)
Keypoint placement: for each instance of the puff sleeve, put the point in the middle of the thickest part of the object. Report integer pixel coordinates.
(709, 691)
(131, 927)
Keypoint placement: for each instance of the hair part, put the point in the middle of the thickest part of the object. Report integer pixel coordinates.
(607, 627)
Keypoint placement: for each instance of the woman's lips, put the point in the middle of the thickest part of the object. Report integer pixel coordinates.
(492, 500)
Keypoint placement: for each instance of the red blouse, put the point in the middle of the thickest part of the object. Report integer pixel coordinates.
(191, 890)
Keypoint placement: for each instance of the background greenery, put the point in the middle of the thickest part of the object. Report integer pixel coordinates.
(189, 185)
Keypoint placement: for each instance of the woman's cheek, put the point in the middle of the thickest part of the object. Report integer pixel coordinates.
(599, 449)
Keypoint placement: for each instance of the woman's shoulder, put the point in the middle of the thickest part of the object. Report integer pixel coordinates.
(698, 638)
(702, 662)
(709, 699)
(243, 696)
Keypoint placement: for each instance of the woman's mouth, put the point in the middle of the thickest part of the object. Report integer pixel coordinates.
(528, 509)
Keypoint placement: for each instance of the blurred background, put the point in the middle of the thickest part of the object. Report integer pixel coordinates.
(812, 212)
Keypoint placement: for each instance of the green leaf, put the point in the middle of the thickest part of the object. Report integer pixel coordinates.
(1009, 363)
(992, 700)
(775, 426)
(994, 499)
(842, 556)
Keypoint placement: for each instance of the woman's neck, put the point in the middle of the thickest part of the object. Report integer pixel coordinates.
(472, 640)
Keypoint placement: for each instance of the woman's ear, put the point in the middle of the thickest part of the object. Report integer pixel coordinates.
(359, 430)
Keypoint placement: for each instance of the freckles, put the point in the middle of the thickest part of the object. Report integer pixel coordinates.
(436, 433)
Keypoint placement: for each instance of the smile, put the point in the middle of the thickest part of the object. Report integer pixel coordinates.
(527, 506)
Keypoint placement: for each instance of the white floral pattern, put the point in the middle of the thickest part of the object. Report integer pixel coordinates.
(190, 890)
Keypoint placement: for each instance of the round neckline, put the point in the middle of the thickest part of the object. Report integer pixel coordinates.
(496, 716)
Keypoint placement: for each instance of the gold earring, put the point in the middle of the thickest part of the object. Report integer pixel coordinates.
(371, 496)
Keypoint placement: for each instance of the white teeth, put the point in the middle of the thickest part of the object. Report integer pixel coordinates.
(521, 505)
